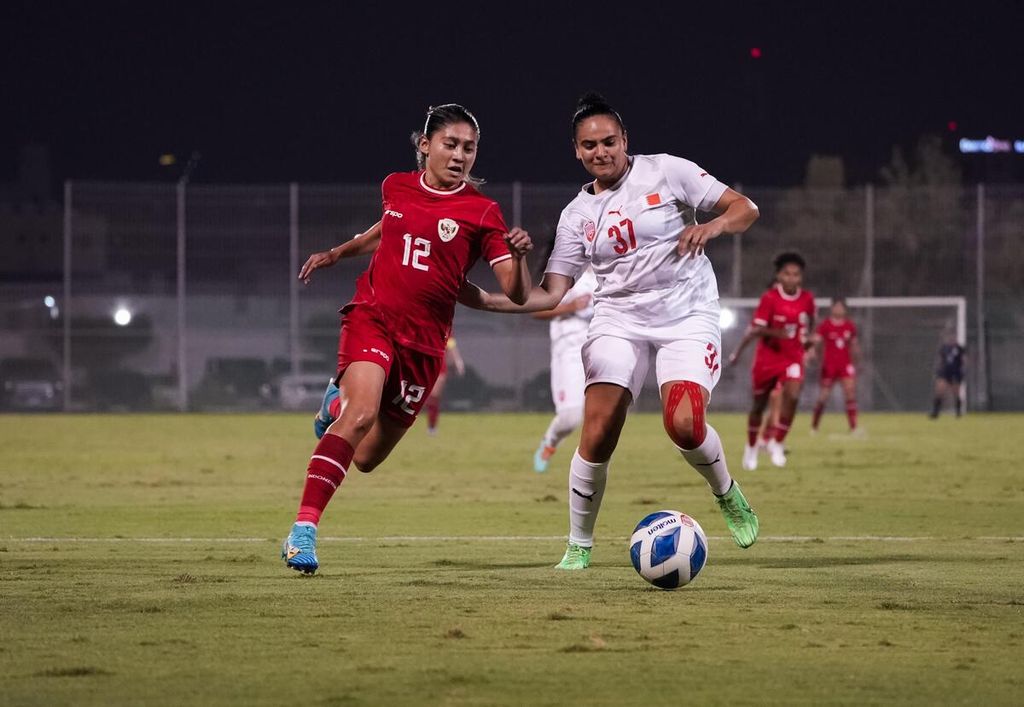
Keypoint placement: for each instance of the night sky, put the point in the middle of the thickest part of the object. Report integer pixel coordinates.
(307, 91)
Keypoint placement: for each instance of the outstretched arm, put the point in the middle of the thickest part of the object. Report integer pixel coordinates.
(361, 244)
(736, 213)
(571, 307)
(546, 296)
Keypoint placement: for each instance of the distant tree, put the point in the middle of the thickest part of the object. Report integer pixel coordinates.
(922, 215)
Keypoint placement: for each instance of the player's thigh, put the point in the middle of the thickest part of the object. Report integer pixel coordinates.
(604, 412)
(568, 380)
(383, 437)
(617, 361)
(361, 385)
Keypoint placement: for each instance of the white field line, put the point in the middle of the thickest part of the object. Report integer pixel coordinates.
(515, 538)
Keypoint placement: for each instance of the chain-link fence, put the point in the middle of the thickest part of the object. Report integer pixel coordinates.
(162, 296)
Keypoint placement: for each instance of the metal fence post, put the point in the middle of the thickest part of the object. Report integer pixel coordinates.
(182, 365)
(66, 304)
(293, 268)
(982, 366)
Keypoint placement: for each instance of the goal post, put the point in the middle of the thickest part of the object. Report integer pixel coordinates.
(899, 340)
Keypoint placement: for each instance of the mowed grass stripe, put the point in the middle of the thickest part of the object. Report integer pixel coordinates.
(529, 538)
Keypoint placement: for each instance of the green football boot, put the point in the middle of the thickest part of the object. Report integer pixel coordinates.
(739, 516)
(576, 557)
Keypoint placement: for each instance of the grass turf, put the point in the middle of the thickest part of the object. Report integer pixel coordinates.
(139, 565)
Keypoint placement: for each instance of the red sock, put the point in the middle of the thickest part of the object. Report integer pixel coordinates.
(753, 427)
(326, 471)
(818, 409)
(782, 429)
(768, 433)
(851, 413)
(433, 411)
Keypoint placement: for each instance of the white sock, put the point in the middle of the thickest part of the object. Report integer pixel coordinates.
(709, 460)
(567, 420)
(586, 489)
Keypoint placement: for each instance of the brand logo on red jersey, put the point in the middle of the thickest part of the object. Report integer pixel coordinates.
(389, 212)
(589, 230)
(446, 229)
(711, 359)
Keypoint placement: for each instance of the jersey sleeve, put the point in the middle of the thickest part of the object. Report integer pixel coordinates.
(568, 256)
(763, 313)
(853, 330)
(492, 235)
(690, 184)
(822, 329)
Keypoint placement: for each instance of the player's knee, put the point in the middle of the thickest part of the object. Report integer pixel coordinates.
(357, 420)
(571, 418)
(684, 415)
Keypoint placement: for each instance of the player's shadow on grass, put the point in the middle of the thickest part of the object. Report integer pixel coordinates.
(485, 565)
(782, 563)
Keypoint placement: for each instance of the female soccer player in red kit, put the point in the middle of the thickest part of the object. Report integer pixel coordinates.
(783, 318)
(837, 336)
(435, 226)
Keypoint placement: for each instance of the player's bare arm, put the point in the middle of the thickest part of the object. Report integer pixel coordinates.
(546, 296)
(361, 244)
(513, 275)
(571, 307)
(736, 213)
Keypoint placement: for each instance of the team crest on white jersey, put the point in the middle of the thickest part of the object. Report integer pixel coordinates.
(589, 230)
(446, 229)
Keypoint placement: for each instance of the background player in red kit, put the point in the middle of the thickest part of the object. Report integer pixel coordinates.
(782, 322)
(435, 226)
(837, 336)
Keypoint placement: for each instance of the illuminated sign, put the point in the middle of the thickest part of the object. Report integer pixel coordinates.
(990, 145)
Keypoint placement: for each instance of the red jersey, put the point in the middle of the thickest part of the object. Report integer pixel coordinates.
(792, 313)
(836, 338)
(429, 241)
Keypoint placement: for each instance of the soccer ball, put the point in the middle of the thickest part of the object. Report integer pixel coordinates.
(668, 549)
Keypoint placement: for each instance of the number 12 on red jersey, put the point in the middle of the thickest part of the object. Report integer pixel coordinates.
(416, 249)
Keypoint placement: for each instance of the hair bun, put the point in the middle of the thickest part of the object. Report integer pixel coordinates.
(589, 99)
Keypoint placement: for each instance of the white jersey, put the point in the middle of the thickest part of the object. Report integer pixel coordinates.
(629, 235)
(569, 331)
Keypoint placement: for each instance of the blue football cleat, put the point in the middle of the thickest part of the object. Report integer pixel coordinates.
(299, 549)
(323, 418)
(541, 457)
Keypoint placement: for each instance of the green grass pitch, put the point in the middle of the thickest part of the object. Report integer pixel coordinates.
(139, 564)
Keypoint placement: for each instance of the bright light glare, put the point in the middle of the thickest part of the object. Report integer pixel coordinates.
(49, 301)
(122, 317)
(727, 319)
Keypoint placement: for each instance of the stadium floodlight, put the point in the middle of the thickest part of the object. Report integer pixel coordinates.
(49, 301)
(123, 316)
(727, 318)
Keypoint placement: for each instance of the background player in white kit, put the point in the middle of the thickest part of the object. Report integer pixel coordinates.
(568, 329)
(636, 225)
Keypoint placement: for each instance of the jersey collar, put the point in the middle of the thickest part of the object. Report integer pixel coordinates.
(789, 298)
(439, 192)
(587, 188)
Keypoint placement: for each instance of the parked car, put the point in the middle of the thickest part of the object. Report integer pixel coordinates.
(234, 383)
(302, 391)
(30, 384)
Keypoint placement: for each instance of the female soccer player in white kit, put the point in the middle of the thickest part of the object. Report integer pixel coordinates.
(568, 329)
(635, 224)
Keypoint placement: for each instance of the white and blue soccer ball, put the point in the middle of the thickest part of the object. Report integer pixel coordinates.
(668, 549)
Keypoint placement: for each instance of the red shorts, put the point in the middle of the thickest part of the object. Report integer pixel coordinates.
(765, 377)
(833, 372)
(410, 374)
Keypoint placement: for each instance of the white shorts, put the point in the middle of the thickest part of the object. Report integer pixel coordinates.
(624, 361)
(567, 380)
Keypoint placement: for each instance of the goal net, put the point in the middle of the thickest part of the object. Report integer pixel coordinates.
(899, 342)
